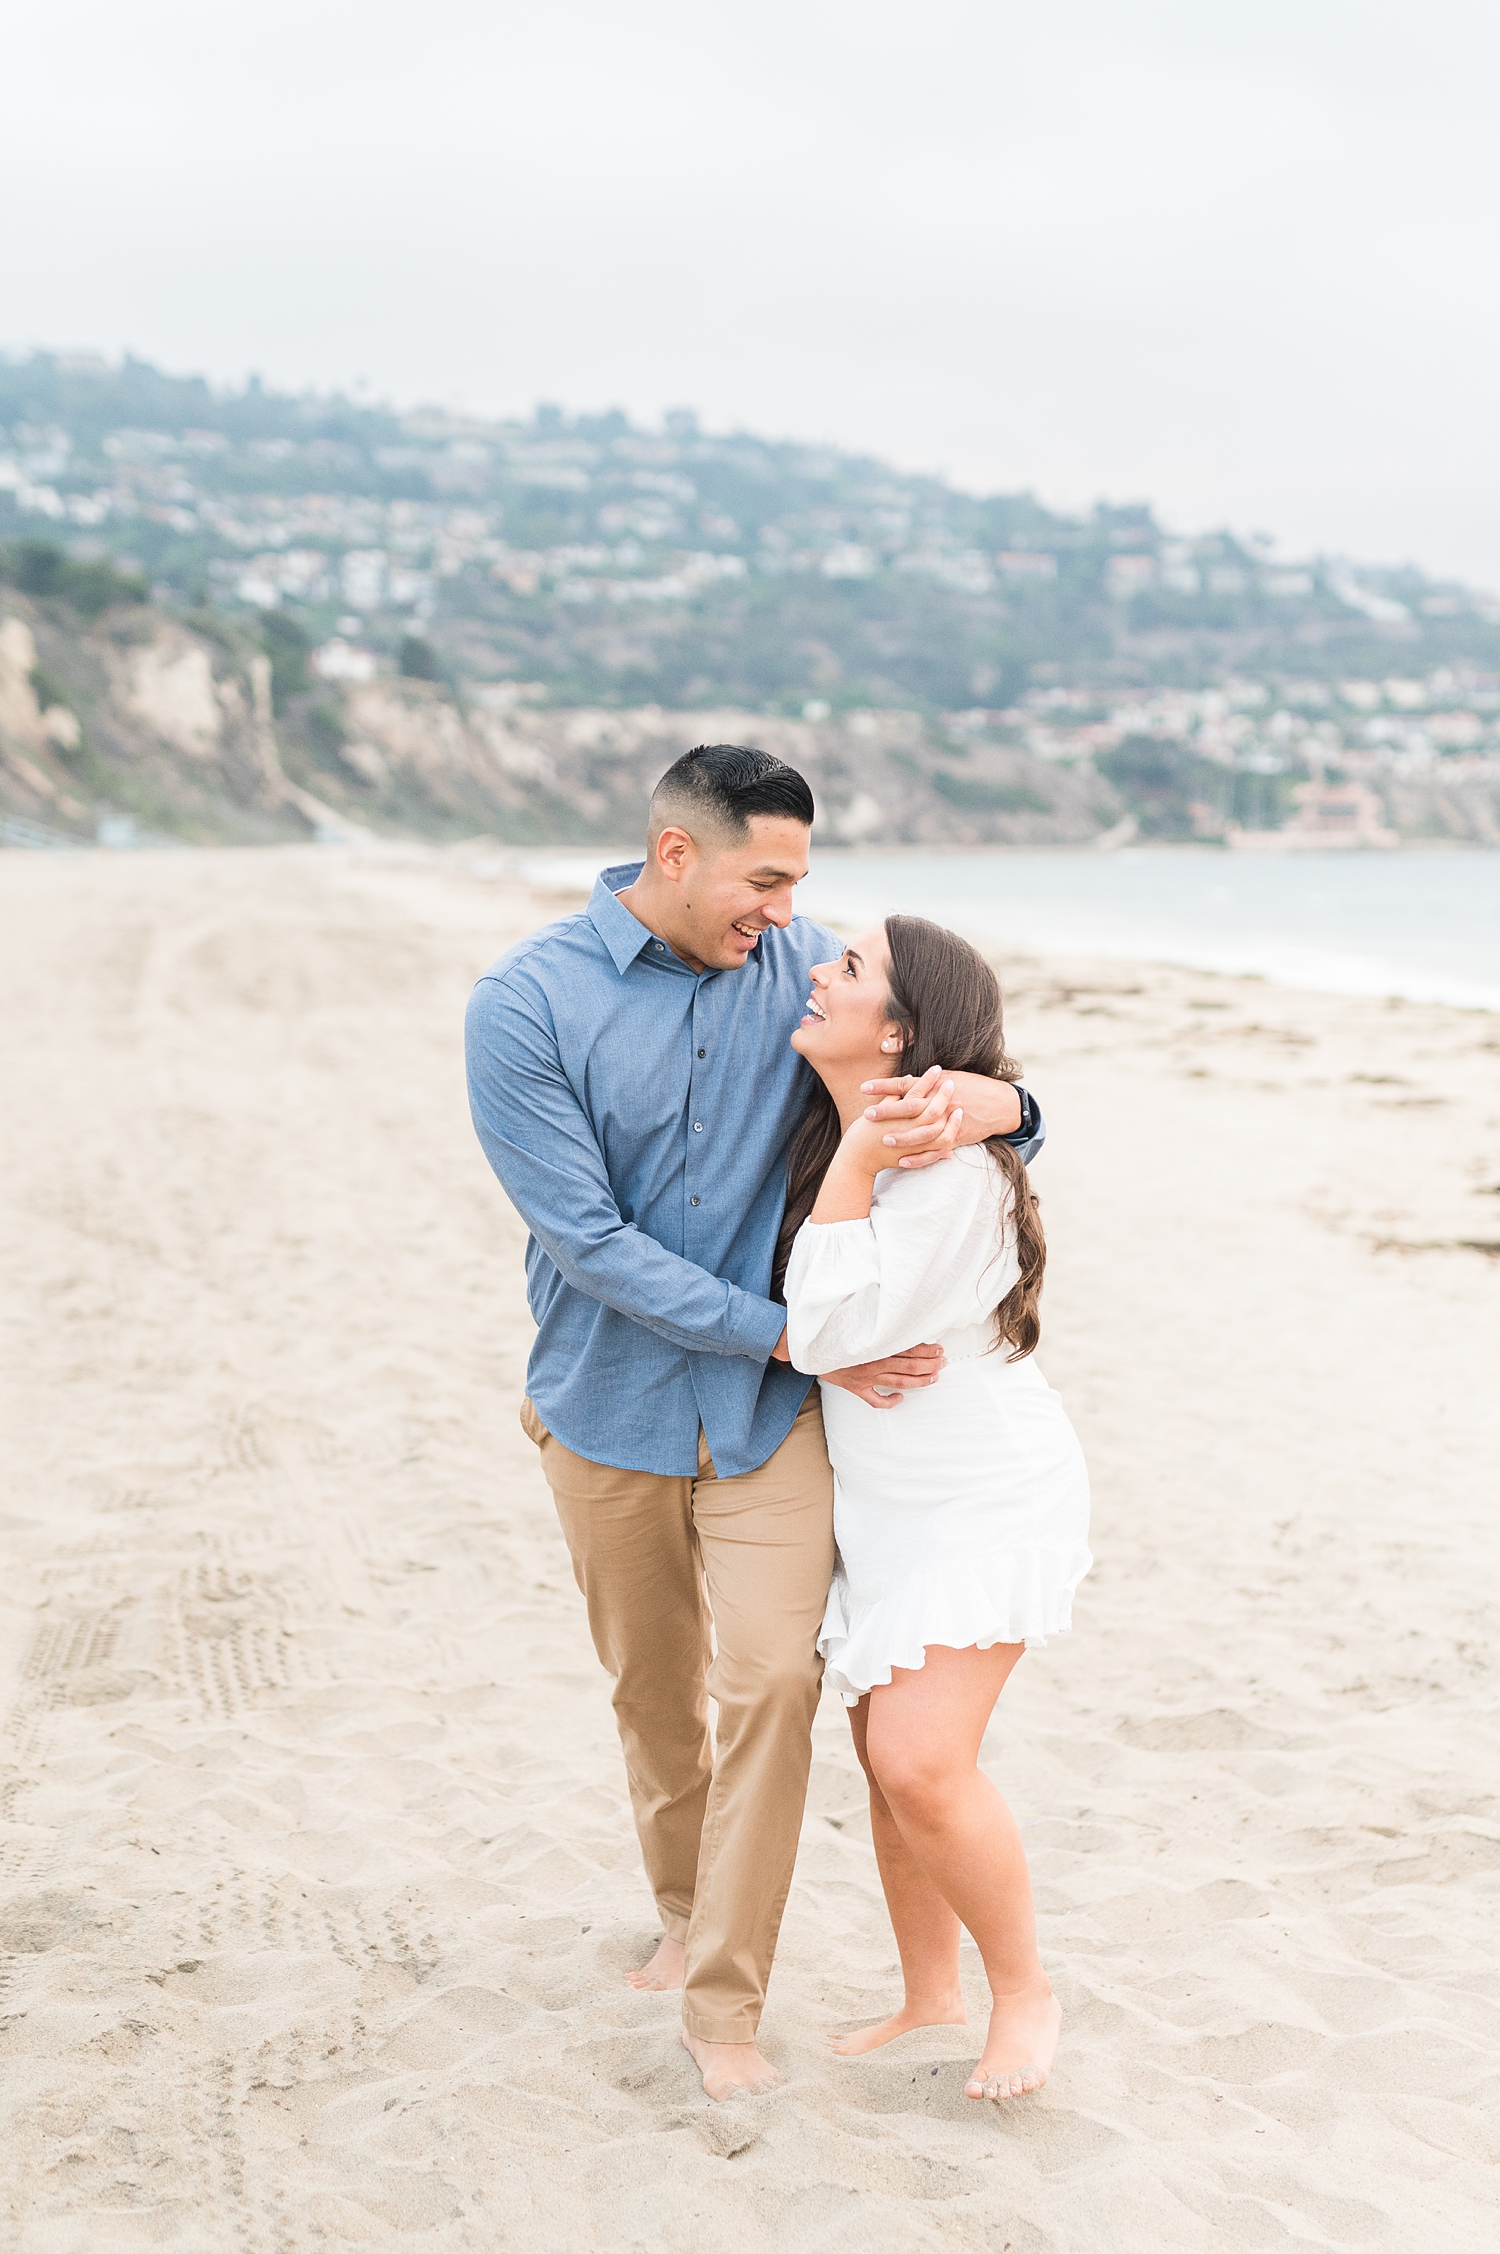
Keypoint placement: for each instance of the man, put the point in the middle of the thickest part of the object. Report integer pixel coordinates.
(633, 1086)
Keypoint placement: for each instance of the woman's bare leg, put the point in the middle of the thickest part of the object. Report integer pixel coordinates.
(922, 1738)
(927, 1932)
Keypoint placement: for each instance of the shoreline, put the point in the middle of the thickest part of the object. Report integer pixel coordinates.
(1287, 965)
(1297, 963)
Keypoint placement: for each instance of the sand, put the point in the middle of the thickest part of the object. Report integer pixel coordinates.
(317, 1883)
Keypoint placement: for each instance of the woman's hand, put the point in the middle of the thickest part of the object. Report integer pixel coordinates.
(864, 1149)
(917, 1120)
(917, 1115)
(867, 1149)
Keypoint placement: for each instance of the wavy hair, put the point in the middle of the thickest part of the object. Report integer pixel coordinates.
(946, 1001)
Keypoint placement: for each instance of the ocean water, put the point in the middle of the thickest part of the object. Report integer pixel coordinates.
(1425, 925)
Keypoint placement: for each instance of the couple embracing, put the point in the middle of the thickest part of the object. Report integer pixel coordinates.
(784, 1263)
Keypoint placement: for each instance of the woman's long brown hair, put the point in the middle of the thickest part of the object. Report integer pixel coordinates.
(946, 1001)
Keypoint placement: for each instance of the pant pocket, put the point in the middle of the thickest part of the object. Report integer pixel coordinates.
(531, 1423)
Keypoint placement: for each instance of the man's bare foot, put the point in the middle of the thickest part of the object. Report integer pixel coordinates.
(1021, 2044)
(949, 2013)
(729, 2067)
(665, 1968)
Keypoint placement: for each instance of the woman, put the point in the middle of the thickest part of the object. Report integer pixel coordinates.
(961, 1519)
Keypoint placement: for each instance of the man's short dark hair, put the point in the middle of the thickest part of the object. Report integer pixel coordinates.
(719, 787)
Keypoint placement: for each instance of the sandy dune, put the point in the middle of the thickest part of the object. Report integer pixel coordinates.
(316, 1879)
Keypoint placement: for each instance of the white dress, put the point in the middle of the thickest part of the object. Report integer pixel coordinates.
(962, 1516)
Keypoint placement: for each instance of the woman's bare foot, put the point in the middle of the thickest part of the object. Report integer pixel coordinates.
(947, 2013)
(1020, 2046)
(729, 2067)
(665, 1968)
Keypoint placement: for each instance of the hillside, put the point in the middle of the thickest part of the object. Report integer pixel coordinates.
(208, 729)
(623, 566)
(193, 727)
(238, 614)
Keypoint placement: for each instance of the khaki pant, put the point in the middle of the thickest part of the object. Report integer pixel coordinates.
(658, 1560)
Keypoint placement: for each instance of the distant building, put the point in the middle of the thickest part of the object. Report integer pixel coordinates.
(1455, 730)
(407, 590)
(1382, 608)
(1125, 576)
(362, 575)
(1026, 563)
(966, 570)
(339, 660)
(849, 561)
(1328, 816)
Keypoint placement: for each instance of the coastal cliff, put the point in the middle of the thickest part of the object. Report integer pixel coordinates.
(192, 728)
(214, 729)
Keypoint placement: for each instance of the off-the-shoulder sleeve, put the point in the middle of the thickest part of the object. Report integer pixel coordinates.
(858, 1290)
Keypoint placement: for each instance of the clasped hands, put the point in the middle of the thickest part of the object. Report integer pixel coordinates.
(941, 1111)
(915, 1123)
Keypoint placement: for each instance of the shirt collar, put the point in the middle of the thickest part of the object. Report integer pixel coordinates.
(623, 934)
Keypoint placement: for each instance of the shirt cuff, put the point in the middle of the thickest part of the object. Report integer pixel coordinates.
(1029, 1137)
(759, 1324)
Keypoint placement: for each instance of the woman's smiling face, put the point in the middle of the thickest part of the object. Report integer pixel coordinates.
(847, 1016)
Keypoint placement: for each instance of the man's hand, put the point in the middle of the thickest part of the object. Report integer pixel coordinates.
(922, 1124)
(898, 1373)
(882, 1384)
(941, 1112)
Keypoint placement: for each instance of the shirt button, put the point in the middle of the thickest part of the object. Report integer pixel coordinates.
(692, 1201)
(703, 1052)
(697, 1126)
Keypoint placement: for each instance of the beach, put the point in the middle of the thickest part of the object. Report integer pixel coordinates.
(317, 1879)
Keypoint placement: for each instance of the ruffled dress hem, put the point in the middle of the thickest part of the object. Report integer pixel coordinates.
(1009, 1596)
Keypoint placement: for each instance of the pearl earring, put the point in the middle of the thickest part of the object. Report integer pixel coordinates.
(888, 1044)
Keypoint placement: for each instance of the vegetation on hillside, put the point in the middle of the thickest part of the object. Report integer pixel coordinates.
(614, 565)
(395, 612)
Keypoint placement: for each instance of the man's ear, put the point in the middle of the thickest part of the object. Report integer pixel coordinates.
(675, 854)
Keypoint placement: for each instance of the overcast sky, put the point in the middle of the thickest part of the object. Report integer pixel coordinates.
(1236, 259)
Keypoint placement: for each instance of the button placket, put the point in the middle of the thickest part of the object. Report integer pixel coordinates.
(700, 1052)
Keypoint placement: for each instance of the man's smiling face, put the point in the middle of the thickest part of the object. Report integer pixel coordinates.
(728, 893)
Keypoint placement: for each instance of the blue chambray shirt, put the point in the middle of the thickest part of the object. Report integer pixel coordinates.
(638, 1115)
